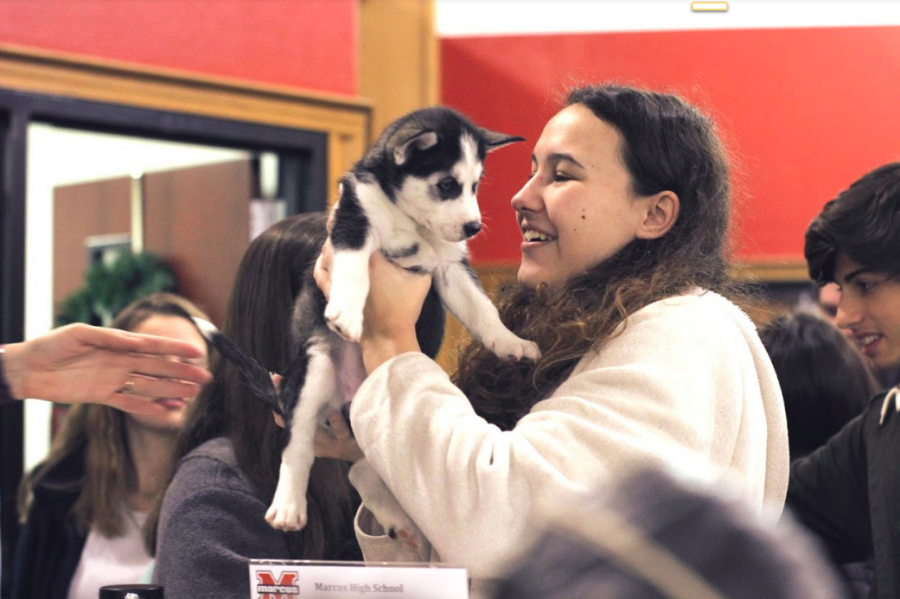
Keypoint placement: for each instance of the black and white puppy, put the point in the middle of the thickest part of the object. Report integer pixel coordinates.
(413, 198)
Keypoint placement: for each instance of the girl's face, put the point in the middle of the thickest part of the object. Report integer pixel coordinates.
(173, 327)
(577, 208)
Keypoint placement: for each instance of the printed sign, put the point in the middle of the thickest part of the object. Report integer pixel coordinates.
(341, 580)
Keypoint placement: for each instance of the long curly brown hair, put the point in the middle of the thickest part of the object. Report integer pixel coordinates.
(668, 145)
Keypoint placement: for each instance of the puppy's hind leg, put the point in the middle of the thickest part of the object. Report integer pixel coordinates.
(288, 509)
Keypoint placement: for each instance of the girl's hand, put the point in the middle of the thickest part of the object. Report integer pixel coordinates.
(336, 442)
(392, 307)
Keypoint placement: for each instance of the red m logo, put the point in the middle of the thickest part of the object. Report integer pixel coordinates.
(283, 588)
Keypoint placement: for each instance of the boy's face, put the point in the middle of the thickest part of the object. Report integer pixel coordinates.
(870, 308)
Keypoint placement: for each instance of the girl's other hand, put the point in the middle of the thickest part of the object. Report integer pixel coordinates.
(336, 441)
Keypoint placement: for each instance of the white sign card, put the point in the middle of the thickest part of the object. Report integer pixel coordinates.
(299, 579)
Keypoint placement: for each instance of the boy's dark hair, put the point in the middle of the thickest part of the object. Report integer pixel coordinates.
(862, 222)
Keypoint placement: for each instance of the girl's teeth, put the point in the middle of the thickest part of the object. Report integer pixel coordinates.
(535, 236)
(869, 339)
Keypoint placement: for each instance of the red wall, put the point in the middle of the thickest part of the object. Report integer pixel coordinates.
(300, 43)
(803, 112)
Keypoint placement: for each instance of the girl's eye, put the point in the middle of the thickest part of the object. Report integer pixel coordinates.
(561, 177)
(866, 286)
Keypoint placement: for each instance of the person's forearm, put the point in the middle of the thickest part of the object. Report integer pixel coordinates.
(377, 350)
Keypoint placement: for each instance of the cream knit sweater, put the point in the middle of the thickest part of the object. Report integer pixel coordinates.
(687, 383)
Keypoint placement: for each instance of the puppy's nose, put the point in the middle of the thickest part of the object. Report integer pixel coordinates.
(471, 229)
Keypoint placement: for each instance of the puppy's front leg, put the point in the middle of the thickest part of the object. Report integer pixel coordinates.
(354, 241)
(349, 289)
(461, 292)
(288, 509)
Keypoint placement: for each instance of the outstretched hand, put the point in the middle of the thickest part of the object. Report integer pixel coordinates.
(79, 363)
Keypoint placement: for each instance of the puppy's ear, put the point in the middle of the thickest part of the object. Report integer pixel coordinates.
(496, 140)
(420, 141)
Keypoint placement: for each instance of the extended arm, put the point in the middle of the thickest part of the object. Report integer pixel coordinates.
(665, 391)
(828, 493)
(80, 363)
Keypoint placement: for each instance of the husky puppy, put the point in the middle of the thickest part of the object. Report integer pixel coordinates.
(413, 198)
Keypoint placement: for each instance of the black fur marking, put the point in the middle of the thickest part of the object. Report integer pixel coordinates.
(450, 127)
(402, 253)
(448, 188)
(431, 324)
(351, 225)
(292, 384)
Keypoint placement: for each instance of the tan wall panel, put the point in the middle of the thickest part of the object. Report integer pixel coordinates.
(79, 211)
(198, 219)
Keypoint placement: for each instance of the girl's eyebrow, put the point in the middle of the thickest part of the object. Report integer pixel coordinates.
(850, 276)
(559, 157)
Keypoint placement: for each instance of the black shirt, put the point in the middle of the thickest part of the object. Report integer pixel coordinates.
(848, 493)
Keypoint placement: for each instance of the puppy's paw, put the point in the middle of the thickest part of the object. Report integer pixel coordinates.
(508, 346)
(345, 317)
(287, 514)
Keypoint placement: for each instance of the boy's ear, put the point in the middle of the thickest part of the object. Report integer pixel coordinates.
(421, 141)
(496, 140)
(661, 212)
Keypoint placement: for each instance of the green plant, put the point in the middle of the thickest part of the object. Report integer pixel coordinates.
(110, 287)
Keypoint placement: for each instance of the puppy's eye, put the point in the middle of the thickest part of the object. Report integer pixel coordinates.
(475, 187)
(447, 184)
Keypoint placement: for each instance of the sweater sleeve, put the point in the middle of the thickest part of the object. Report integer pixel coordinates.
(666, 390)
(828, 492)
(210, 528)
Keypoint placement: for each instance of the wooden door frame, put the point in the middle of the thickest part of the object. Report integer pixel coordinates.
(111, 96)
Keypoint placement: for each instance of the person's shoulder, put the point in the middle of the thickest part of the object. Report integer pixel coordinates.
(219, 449)
(213, 463)
(698, 311)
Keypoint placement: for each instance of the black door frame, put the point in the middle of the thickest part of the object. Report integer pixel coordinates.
(304, 179)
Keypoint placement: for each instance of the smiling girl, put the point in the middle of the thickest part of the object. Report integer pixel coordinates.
(623, 285)
(85, 504)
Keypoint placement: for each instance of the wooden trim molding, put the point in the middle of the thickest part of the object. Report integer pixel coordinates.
(771, 270)
(398, 57)
(346, 121)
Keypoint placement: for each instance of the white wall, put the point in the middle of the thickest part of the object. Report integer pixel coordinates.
(58, 156)
(459, 18)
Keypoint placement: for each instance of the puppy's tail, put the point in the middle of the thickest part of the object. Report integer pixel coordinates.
(256, 378)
